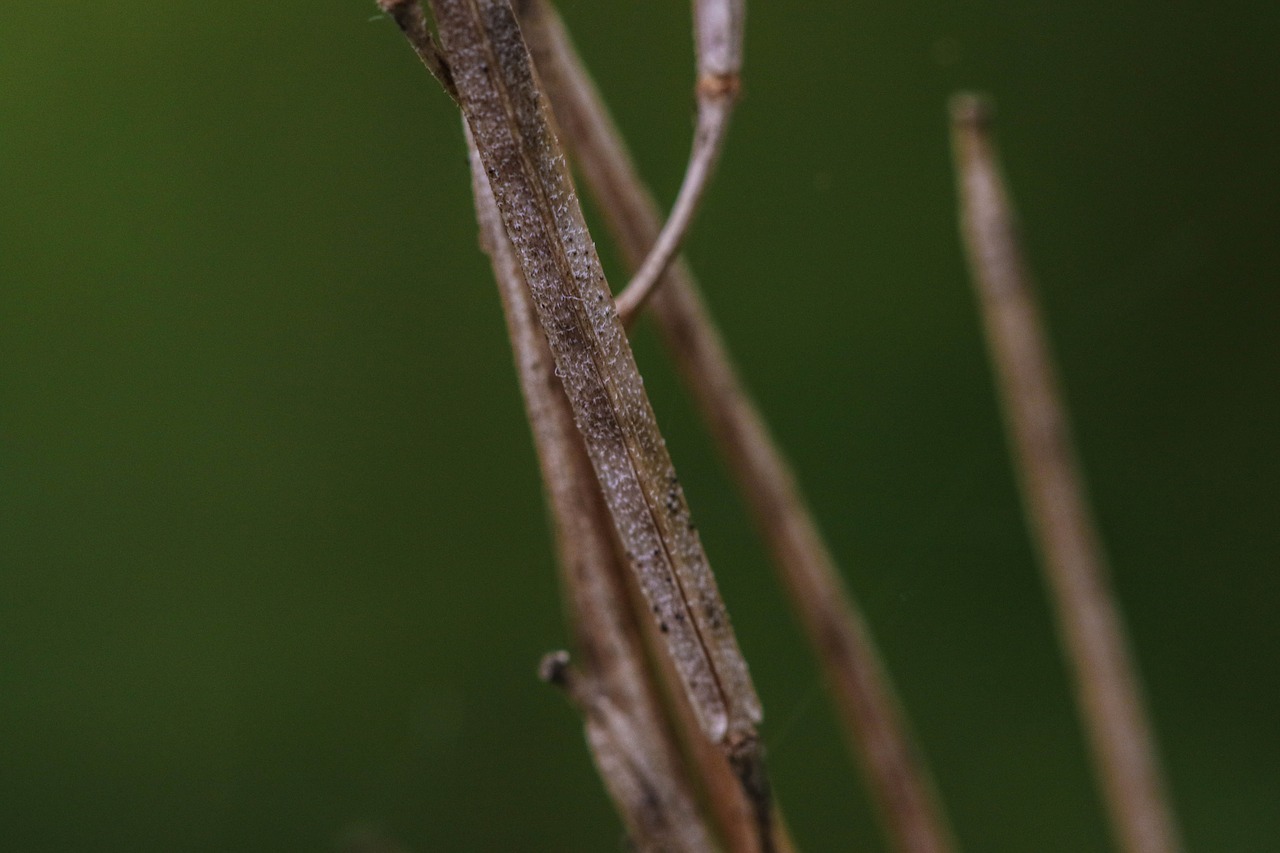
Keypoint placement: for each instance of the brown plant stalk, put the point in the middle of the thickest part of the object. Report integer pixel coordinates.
(1054, 496)
(484, 56)
(634, 749)
(500, 101)
(874, 724)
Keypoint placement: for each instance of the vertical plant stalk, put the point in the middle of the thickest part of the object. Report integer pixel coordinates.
(718, 37)
(632, 746)
(500, 101)
(486, 58)
(1054, 496)
(874, 724)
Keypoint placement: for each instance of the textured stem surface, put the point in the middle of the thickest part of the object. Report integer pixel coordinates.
(633, 748)
(526, 170)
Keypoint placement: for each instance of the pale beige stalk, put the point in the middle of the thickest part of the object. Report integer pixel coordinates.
(718, 37)
(1054, 497)
(874, 724)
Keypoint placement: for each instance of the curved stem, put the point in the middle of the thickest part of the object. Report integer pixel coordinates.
(708, 142)
(718, 27)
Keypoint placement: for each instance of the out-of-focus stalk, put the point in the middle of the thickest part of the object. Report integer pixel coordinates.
(1054, 498)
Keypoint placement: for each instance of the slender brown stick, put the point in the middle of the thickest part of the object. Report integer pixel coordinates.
(1054, 495)
(500, 101)
(873, 721)
(718, 36)
(633, 748)
(504, 110)
(409, 18)
(643, 794)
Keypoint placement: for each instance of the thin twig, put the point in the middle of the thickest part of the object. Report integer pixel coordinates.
(408, 16)
(718, 35)
(873, 721)
(1054, 495)
(640, 790)
(633, 748)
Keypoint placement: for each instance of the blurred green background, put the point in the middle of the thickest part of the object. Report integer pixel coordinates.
(274, 571)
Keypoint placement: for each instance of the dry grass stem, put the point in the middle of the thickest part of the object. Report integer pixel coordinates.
(483, 50)
(737, 795)
(633, 748)
(658, 819)
(718, 37)
(1054, 496)
(484, 55)
(874, 723)
(522, 160)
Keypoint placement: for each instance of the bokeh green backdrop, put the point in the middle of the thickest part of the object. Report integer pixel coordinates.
(273, 566)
